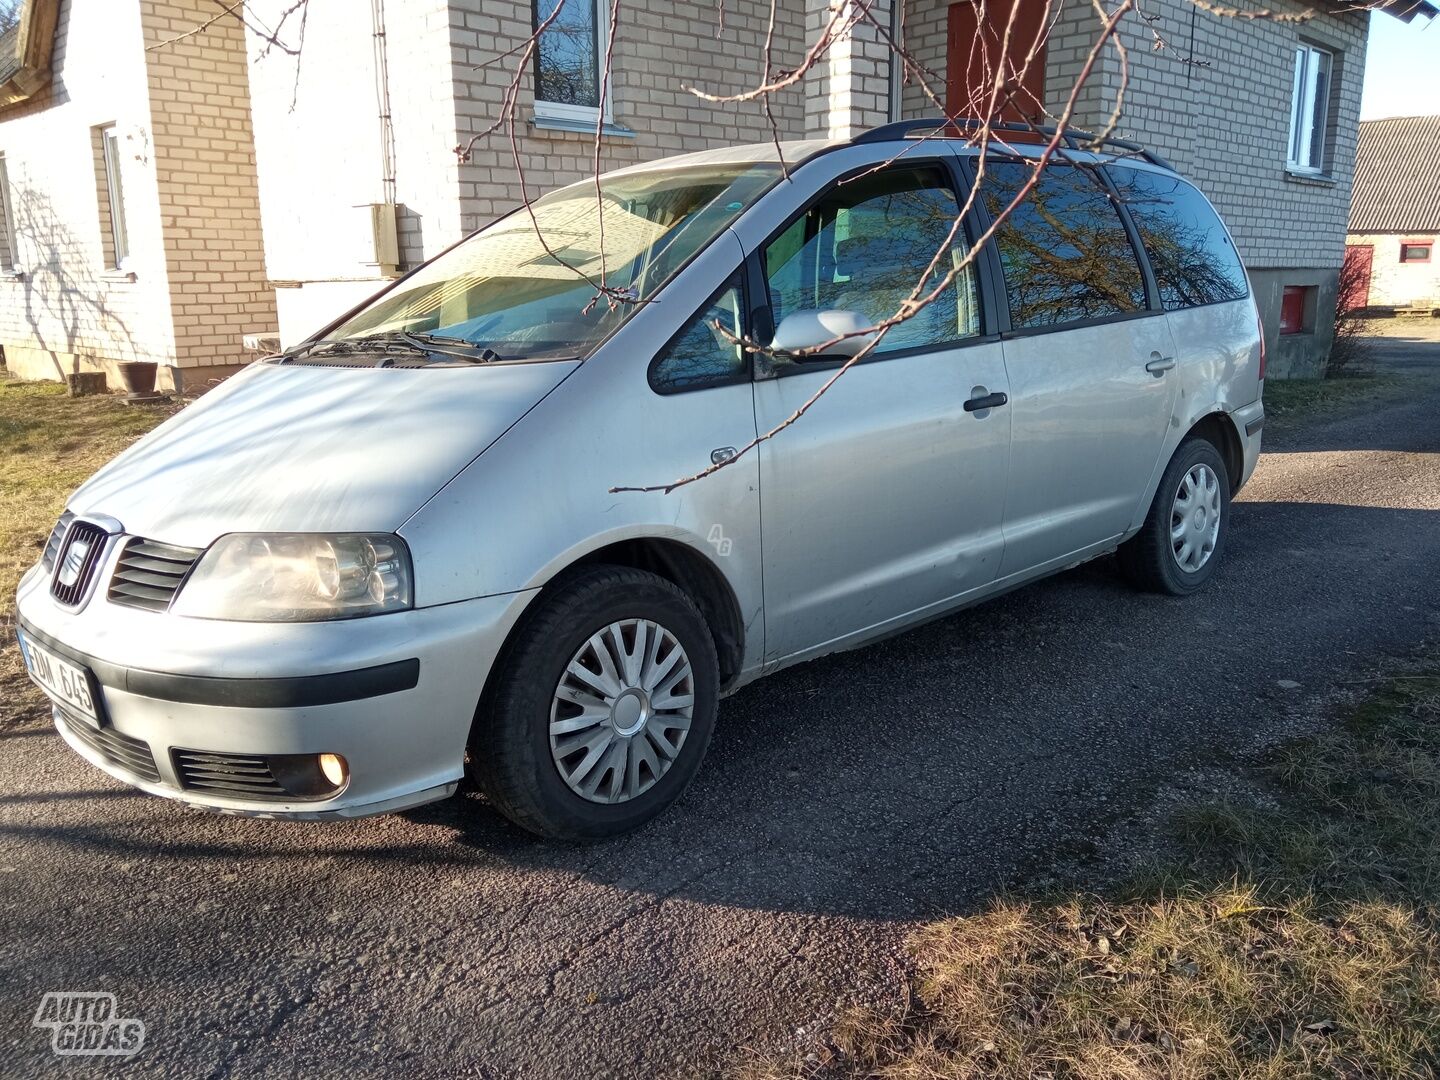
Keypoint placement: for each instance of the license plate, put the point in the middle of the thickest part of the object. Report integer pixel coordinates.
(69, 684)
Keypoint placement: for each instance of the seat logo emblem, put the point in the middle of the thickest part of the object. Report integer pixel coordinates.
(75, 557)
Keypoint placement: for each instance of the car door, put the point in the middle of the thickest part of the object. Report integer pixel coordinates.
(1090, 359)
(886, 498)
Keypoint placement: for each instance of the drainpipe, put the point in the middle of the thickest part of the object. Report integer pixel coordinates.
(382, 97)
(897, 27)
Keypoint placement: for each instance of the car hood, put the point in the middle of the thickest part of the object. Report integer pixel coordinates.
(282, 448)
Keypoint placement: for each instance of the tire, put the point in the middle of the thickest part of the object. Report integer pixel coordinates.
(1149, 559)
(513, 749)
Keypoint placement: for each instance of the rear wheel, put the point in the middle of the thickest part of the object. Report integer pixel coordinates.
(1178, 548)
(604, 706)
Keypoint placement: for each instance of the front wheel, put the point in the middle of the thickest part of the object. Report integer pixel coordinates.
(604, 706)
(1178, 548)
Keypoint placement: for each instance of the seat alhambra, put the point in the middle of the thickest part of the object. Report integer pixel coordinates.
(446, 533)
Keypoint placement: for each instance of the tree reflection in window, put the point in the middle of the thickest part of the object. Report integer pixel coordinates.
(1194, 261)
(1066, 254)
(866, 246)
(567, 57)
(703, 354)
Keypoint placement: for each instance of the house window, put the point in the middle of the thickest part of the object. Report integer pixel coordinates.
(1309, 108)
(1415, 251)
(570, 60)
(1296, 304)
(115, 239)
(9, 257)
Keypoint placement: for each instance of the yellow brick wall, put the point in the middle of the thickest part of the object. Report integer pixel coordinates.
(208, 188)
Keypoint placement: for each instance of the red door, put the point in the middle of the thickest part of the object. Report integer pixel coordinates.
(1355, 277)
(974, 48)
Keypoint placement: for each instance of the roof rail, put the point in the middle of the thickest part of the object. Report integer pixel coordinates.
(1073, 137)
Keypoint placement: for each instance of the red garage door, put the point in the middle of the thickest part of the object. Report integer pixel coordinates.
(974, 50)
(1355, 277)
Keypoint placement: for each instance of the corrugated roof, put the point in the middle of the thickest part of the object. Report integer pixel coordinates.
(1397, 176)
(9, 52)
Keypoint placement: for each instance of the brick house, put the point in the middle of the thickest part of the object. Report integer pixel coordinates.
(357, 179)
(1261, 114)
(1395, 214)
(129, 207)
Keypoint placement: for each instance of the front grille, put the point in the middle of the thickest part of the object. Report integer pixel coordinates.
(149, 574)
(127, 754)
(231, 774)
(52, 546)
(79, 558)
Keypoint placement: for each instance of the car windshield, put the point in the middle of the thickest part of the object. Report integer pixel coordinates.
(505, 290)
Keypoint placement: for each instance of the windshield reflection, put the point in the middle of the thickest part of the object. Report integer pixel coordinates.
(533, 296)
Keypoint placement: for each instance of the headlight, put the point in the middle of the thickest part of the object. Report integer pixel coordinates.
(297, 577)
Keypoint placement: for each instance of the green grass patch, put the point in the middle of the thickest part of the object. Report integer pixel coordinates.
(50, 443)
(1293, 935)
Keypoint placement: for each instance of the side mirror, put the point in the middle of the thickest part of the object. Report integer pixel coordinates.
(807, 329)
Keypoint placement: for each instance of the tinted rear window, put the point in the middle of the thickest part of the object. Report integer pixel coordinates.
(1067, 256)
(1194, 261)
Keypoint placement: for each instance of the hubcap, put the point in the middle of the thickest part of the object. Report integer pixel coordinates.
(1195, 518)
(621, 712)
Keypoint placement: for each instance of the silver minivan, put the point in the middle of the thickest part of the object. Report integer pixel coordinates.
(445, 534)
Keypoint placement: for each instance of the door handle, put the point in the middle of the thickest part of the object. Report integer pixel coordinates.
(1158, 364)
(988, 401)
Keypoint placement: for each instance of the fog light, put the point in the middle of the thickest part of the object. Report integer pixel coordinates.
(334, 768)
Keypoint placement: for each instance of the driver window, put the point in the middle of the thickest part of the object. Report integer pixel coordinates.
(866, 245)
(705, 352)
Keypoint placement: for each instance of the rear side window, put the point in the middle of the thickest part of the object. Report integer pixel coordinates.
(865, 247)
(706, 351)
(1194, 261)
(1066, 253)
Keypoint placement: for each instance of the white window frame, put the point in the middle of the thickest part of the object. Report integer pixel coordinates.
(1307, 130)
(564, 111)
(110, 153)
(10, 264)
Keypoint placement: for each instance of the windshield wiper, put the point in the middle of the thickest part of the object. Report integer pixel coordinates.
(450, 346)
(305, 348)
(426, 345)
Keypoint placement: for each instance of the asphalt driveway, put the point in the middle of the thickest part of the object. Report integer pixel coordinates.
(842, 801)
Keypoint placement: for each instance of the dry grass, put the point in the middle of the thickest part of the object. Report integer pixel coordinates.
(49, 444)
(1292, 940)
(1288, 401)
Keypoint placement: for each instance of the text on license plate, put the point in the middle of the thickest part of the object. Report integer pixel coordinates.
(65, 681)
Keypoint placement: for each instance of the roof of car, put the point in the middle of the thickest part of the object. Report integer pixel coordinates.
(1011, 137)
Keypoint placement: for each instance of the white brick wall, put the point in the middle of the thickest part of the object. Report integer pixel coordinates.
(849, 89)
(191, 207)
(1224, 121)
(659, 50)
(67, 313)
(324, 157)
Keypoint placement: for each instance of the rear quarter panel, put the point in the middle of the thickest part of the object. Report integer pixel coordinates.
(1218, 366)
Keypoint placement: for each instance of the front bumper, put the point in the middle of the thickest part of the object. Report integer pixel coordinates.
(393, 694)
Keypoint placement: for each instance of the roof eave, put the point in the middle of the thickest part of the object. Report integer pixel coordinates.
(1407, 10)
(35, 42)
